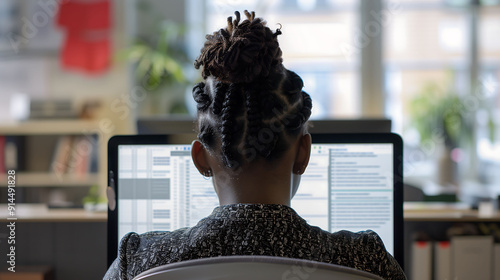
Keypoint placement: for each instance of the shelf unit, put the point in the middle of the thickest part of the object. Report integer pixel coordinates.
(39, 213)
(58, 127)
(37, 152)
(43, 179)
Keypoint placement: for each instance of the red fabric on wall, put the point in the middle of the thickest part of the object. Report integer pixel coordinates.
(84, 14)
(87, 45)
(90, 55)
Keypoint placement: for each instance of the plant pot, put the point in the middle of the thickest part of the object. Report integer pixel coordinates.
(447, 169)
(164, 101)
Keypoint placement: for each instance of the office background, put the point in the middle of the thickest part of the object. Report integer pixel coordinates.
(71, 76)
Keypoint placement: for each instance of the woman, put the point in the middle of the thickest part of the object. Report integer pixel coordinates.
(253, 141)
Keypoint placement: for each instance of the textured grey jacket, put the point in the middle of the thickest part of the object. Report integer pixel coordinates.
(253, 229)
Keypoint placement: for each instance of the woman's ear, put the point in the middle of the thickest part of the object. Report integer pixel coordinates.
(199, 155)
(303, 154)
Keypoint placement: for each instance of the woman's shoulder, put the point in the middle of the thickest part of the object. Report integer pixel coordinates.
(360, 237)
(348, 241)
(133, 242)
(139, 252)
(363, 250)
(354, 242)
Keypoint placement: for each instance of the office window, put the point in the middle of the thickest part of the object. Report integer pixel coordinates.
(430, 42)
(315, 43)
(489, 41)
(423, 44)
(489, 58)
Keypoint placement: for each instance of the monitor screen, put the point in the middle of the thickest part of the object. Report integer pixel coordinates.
(345, 187)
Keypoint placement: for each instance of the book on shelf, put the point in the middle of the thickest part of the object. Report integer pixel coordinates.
(79, 163)
(75, 155)
(13, 152)
(2, 154)
(94, 155)
(62, 153)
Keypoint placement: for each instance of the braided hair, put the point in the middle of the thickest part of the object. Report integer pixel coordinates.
(249, 105)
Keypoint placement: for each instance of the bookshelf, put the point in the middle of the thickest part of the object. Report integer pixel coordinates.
(56, 127)
(43, 179)
(37, 213)
(39, 165)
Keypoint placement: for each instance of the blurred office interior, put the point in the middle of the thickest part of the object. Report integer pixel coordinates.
(81, 71)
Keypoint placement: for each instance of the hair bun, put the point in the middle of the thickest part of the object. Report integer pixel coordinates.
(242, 52)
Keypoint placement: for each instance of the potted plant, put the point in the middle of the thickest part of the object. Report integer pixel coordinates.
(93, 201)
(159, 60)
(447, 121)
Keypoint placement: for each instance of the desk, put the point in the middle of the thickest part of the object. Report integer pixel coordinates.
(41, 213)
(413, 212)
(432, 221)
(444, 212)
(63, 239)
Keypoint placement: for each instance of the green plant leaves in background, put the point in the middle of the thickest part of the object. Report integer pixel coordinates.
(436, 113)
(159, 63)
(444, 115)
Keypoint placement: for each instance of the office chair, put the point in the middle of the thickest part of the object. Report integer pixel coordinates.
(253, 267)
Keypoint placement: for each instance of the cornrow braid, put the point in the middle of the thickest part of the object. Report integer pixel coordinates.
(253, 113)
(229, 126)
(202, 99)
(220, 94)
(305, 112)
(207, 134)
(250, 105)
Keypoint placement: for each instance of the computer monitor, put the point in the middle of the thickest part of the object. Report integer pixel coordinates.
(185, 126)
(353, 182)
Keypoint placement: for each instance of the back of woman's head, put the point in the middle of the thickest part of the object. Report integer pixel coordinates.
(249, 105)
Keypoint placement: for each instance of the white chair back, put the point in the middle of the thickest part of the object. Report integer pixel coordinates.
(253, 267)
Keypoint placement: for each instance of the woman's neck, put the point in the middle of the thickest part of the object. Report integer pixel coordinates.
(259, 184)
